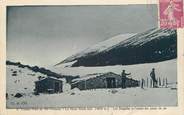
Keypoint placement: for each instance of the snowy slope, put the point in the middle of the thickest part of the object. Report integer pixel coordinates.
(160, 44)
(100, 47)
(130, 97)
(22, 81)
(142, 38)
(163, 69)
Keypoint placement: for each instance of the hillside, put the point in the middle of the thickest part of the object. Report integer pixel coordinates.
(153, 45)
(20, 80)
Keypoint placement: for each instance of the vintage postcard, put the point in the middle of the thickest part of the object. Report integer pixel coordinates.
(92, 57)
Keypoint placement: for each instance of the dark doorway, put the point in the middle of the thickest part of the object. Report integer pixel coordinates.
(56, 87)
(111, 83)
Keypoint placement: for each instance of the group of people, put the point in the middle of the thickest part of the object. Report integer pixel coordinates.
(124, 76)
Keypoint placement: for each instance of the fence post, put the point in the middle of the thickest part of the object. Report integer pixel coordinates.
(159, 82)
(150, 83)
(142, 83)
(147, 84)
(163, 84)
(166, 82)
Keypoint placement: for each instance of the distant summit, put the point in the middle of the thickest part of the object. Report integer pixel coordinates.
(153, 45)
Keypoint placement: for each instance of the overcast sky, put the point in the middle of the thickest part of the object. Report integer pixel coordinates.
(44, 36)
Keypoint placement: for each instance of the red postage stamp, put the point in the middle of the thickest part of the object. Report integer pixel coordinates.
(171, 14)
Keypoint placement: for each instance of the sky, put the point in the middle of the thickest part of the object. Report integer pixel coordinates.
(46, 35)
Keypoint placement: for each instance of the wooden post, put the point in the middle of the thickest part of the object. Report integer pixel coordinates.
(147, 82)
(159, 82)
(163, 84)
(142, 83)
(151, 83)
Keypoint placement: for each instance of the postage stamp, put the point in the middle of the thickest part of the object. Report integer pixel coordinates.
(171, 13)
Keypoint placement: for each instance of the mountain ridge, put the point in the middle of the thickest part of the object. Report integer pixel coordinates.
(158, 44)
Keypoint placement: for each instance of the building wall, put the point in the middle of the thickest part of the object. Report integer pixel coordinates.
(44, 85)
(100, 82)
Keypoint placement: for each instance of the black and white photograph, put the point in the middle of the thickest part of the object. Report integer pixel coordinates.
(89, 56)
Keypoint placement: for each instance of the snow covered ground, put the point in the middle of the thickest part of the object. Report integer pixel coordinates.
(22, 81)
(95, 98)
(130, 97)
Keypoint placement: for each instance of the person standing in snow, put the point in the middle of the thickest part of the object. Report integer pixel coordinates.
(153, 77)
(123, 78)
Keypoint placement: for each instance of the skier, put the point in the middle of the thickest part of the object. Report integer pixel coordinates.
(123, 78)
(152, 75)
